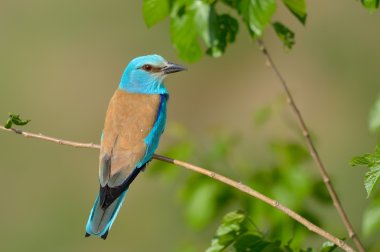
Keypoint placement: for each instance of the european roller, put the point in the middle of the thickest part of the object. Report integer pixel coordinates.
(134, 122)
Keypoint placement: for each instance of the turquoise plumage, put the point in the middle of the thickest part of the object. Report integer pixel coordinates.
(135, 120)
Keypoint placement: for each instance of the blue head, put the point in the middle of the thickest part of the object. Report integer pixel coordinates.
(146, 74)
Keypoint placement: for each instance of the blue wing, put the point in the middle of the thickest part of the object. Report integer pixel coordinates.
(153, 138)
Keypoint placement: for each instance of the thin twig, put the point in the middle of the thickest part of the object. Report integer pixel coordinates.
(313, 150)
(238, 185)
(52, 139)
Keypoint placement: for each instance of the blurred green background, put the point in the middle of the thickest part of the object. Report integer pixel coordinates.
(60, 62)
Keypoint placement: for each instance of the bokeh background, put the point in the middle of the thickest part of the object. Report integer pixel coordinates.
(60, 62)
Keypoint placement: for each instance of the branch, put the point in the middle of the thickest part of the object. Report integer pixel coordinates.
(238, 185)
(313, 150)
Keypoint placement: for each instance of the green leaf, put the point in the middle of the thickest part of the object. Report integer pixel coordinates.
(372, 161)
(374, 117)
(222, 30)
(257, 14)
(250, 242)
(231, 228)
(285, 34)
(201, 15)
(360, 160)
(371, 218)
(254, 242)
(371, 4)
(232, 3)
(298, 8)
(328, 246)
(15, 119)
(8, 124)
(184, 31)
(155, 11)
(215, 30)
(371, 179)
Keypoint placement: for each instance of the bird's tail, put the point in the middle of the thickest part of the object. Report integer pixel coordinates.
(102, 217)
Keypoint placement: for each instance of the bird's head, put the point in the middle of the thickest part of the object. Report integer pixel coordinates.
(146, 74)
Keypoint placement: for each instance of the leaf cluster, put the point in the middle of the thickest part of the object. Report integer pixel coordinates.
(371, 217)
(372, 161)
(237, 233)
(16, 120)
(371, 5)
(191, 21)
(284, 179)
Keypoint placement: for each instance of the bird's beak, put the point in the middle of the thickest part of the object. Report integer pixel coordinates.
(172, 68)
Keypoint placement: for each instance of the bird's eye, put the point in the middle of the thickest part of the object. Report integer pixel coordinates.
(147, 67)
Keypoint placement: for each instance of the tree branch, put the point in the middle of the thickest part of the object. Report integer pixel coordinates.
(313, 150)
(238, 185)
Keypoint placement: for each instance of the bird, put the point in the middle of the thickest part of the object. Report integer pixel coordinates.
(134, 122)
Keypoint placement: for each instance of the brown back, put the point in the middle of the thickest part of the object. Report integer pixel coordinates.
(129, 119)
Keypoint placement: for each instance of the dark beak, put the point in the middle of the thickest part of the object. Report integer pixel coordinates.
(172, 68)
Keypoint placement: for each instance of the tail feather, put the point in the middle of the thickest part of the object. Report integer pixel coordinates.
(101, 219)
(107, 205)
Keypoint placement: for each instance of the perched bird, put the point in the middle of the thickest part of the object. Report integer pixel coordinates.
(135, 120)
